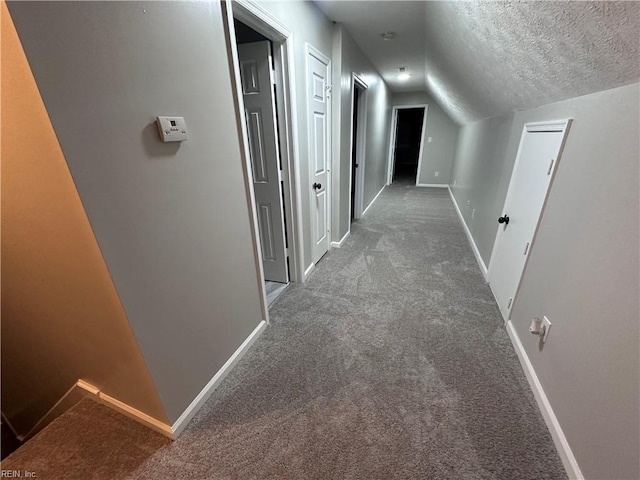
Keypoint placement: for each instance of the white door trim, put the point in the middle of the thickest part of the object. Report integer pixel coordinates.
(392, 139)
(361, 142)
(561, 126)
(255, 16)
(308, 51)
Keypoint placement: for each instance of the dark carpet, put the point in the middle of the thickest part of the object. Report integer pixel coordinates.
(391, 362)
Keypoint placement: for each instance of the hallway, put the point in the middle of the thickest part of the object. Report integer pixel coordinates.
(392, 361)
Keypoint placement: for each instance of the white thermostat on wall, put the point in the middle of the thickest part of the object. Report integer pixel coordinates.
(172, 129)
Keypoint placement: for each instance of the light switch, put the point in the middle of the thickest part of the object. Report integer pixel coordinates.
(172, 129)
(428, 139)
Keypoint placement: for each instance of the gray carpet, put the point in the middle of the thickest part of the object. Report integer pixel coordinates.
(391, 362)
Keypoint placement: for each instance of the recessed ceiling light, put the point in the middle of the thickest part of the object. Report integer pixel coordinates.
(388, 36)
(403, 75)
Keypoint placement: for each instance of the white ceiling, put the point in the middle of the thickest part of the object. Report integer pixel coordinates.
(480, 59)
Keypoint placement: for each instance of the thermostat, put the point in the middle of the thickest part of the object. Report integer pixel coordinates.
(172, 129)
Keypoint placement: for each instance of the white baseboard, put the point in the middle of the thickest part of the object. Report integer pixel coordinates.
(374, 199)
(308, 272)
(474, 247)
(342, 240)
(184, 419)
(97, 395)
(562, 445)
(432, 185)
(135, 414)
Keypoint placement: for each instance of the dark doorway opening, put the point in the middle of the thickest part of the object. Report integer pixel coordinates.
(357, 94)
(407, 147)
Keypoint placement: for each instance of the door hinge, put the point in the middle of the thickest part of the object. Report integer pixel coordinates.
(286, 252)
(526, 248)
(328, 89)
(280, 176)
(510, 300)
(551, 166)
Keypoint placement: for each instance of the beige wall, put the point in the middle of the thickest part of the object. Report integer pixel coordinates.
(437, 155)
(172, 220)
(582, 270)
(61, 317)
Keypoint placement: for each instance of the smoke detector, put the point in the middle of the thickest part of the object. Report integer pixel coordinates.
(388, 36)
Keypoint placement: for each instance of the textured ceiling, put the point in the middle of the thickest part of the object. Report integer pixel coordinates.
(367, 20)
(486, 58)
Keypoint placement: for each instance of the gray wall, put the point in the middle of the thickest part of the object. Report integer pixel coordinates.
(172, 220)
(308, 24)
(480, 177)
(437, 155)
(582, 270)
(62, 319)
(348, 59)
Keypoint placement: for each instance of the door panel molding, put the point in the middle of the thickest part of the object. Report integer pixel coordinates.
(318, 107)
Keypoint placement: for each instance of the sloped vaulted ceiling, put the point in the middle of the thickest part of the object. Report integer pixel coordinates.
(486, 58)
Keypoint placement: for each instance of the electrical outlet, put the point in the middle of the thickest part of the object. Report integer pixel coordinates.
(546, 323)
(468, 203)
(428, 139)
(436, 174)
(473, 213)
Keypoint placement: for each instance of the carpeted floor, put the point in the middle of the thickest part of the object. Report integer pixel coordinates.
(391, 362)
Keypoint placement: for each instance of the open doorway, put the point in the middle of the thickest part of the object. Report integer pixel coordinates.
(406, 144)
(260, 117)
(277, 229)
(358, 143)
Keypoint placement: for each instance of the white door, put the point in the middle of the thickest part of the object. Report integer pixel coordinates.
(318, 92)
(533, 170)
(259, 104)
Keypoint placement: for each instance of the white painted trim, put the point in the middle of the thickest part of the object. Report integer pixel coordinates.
(135, 414)
(360, 145)
(254, 15)
(432, 185)
(472, 242)
(90, 389)
(342, 240)
(392, 139)
(310, 50)
(184, 419)
(561, 126)
(422, 137)
(308, 272)
(374, 199)
(392, 142)
(559, 439)
(549, 126)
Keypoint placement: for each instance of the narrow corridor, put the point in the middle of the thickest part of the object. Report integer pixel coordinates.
(392, 361)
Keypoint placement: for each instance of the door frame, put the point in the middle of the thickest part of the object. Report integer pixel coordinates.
(263, 22)
(560, 126)
(361, 145)
(392, 139)
(310, 50)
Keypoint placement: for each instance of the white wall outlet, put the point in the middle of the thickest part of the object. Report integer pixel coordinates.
(546, 323)
(468, 204)
(437, 174)
(428, 139)
(172, 129)
(473, 213)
